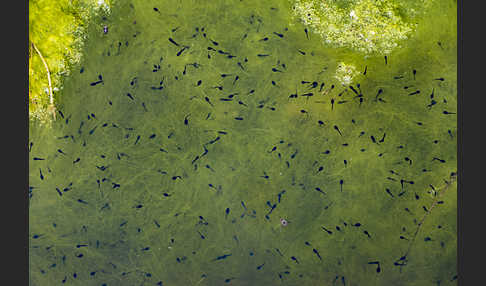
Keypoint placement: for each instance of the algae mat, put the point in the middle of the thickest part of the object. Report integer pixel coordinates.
(184, 138)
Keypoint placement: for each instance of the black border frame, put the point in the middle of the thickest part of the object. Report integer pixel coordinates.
(470, 204)
(14, 137)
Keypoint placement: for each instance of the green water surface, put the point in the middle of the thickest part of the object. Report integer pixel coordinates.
(133, 202)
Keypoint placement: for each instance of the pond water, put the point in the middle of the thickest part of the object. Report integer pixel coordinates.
(179, 150)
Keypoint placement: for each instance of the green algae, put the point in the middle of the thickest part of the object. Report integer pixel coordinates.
(118, 223)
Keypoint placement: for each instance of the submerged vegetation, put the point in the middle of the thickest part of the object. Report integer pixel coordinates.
(57, 30)
(345, 73)
(367, 26)
(213, 143)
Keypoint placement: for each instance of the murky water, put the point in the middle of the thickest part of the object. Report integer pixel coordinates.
(177, 167)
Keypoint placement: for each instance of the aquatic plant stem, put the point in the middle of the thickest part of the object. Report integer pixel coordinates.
(440, 192)
(51, 97)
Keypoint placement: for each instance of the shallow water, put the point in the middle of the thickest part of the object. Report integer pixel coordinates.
(116, 204)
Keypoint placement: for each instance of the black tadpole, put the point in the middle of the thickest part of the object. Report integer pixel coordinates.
(173, 42)
(337, 129)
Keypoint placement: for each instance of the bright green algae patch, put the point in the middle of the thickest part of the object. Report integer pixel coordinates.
(56, 36)
(134, 208)
(367, 26)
